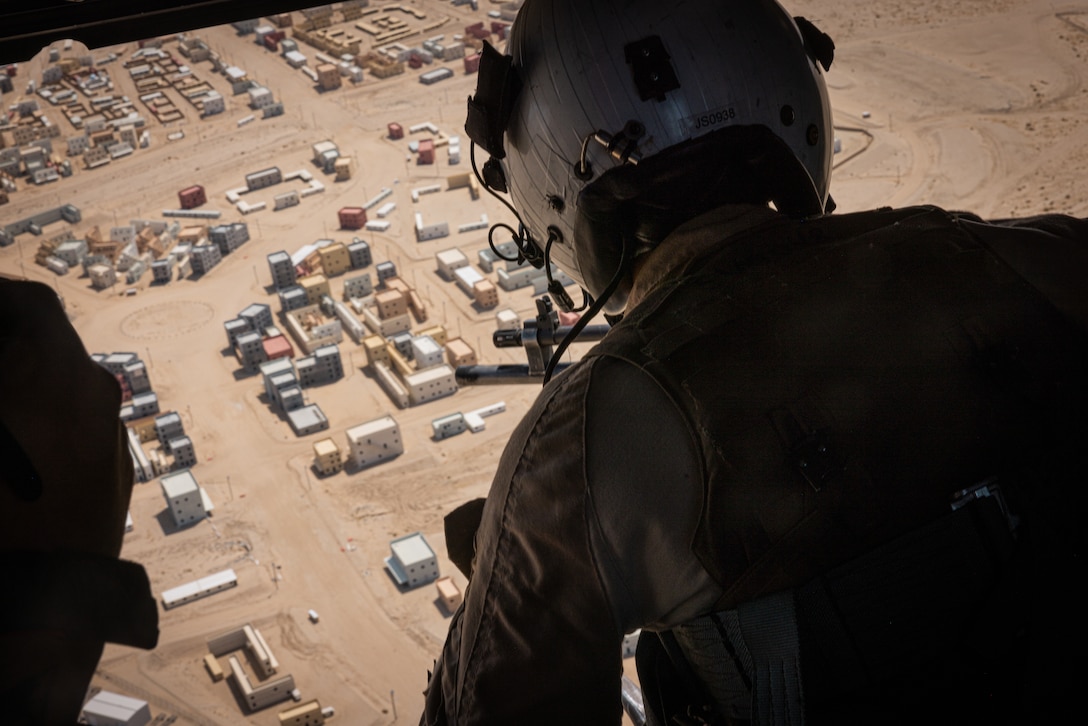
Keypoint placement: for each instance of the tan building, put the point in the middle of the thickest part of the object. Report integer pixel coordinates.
(448, 593)
(391, 304)
(211, 664)
(376, 350)
(460, 353)
(315, 287)
(328, 459)
(328, 76)
(344, 168)
(486, 294)
(192, 235)
(304, 714)
(335, 259)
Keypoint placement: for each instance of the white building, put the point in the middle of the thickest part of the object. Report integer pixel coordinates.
(190, 591)
(293, 298)
(324, 366)
(358, 286)
(425, 352)
(249, 348)
(283, 272)
(229, 237)
(213, 103)
(427, 385)
(374, 441)
(258, 315)
(435, 230)
(359, 253)
(447, 426)
(168, 426)
(182, 450)
(307, 420)
(235, 328)
(466, 278)
(450, 260)
(350, 323)
(77, 144)
(184, 498)
(285, 200)
(270, 370)
(412, 562)
(113, 709)
(264, 694)
(144, 404)
(136, 375)
(204, 257)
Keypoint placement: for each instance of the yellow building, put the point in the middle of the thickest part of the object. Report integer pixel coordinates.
(327, 457)
(376, 350)
(304, 714)
(315, 286)
(335, 259)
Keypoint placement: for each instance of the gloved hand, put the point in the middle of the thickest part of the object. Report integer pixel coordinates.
(65, 482)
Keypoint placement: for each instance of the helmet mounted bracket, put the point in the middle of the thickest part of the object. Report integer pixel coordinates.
(497, 87)
(653, 73)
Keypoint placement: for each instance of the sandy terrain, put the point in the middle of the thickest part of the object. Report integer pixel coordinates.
(978, 105)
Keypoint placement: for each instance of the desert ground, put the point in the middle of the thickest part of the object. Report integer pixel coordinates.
(979, 105)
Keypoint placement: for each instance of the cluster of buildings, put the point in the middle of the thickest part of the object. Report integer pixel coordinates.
(284, 380)
(209, 101)
(159, 444)
(339, 50)
(157, 441)
(35, 222)
(327, 157)
(268, 177)
(126, 253)
(26, 147)
(138, 401)
(410, 367)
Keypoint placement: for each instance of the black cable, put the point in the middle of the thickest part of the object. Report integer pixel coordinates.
(562, 299)
(523, 240)
(590, 314)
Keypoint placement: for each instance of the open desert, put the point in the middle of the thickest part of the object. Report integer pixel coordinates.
(979, 105)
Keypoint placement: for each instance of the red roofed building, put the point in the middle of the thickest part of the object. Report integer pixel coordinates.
(192, 197)
(352, 218)
(478, 31)
(278, 347)
(426, 151)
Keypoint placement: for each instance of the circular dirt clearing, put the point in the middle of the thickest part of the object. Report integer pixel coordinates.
(167, 320)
